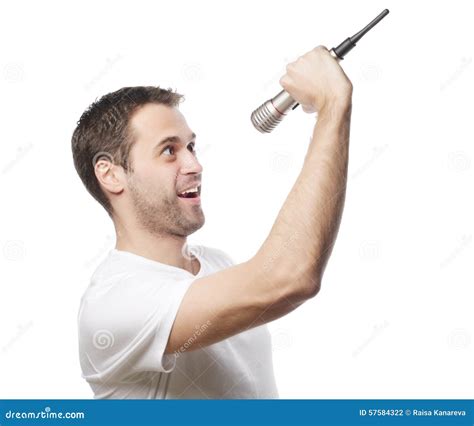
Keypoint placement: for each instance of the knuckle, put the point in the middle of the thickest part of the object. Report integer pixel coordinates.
(320, 49)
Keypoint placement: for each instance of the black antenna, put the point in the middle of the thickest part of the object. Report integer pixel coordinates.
(350, 42)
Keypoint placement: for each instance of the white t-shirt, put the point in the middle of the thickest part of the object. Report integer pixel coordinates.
(125, 320)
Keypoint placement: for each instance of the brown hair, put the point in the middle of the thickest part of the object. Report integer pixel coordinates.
(104, 131)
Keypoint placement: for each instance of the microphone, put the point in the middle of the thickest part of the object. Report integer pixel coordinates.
(268, 115)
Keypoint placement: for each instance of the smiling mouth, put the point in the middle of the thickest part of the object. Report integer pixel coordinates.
(191, 192)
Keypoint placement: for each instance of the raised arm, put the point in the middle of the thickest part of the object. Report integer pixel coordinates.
(288, 268)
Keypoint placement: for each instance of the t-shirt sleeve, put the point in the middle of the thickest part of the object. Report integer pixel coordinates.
(125, 328)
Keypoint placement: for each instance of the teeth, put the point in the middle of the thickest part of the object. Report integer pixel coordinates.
(190, 190)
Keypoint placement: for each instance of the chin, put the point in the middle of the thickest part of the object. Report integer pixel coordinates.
(198, 226)
(192, 227)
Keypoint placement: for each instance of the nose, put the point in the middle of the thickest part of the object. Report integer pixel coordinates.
(190, 164)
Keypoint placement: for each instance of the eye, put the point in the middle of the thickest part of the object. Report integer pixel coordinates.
(169, 147)
(193, 149)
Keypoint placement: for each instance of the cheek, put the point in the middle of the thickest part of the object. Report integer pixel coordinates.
(161, 182)
(155, 177)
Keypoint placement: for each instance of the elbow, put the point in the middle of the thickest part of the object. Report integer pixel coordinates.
(311, 278)
(286, 282)
(302, 286)
(309, 286)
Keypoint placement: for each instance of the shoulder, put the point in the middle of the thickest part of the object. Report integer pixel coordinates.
(124, 312)
(125, 292)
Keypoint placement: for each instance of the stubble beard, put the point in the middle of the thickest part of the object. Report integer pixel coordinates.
(160, 214)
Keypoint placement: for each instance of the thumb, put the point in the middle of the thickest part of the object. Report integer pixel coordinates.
(308, 109)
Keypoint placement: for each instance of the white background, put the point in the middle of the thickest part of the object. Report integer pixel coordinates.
(394, 318)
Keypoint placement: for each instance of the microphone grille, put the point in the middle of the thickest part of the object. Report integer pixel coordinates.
(266, 117)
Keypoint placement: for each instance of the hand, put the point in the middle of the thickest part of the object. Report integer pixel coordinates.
(317, 81)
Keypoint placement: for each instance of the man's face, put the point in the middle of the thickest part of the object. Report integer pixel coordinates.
(162, 171)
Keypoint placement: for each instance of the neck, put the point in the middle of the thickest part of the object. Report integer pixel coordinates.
(167, 249)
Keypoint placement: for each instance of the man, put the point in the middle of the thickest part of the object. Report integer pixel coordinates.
(164, 320)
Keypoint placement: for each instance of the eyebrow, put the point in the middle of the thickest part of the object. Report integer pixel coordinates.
(172, 139)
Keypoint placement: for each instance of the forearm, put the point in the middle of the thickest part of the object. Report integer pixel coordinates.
(302, 237)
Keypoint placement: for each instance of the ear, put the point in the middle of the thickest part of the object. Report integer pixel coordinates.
(110, 176)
